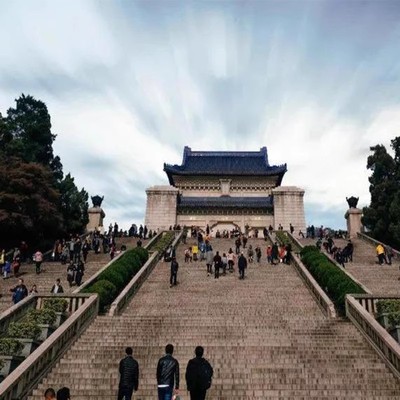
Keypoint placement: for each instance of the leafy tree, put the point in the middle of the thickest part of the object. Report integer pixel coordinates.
(36, 201)
(29, 134)
(382, 217)
(73, 205)
(28, 202)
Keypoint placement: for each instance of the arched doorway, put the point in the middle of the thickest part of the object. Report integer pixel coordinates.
(222, 226)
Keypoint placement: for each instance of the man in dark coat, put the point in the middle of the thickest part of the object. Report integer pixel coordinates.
(129, 376)
(174, 272)
(242, 265)
(167, 374)
(198, 375)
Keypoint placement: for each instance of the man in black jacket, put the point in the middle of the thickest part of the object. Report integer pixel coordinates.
(129, 376)
(242, 264)
(198, 375)
(167, 374)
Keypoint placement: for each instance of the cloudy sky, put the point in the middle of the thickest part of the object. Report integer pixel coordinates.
(129, 83)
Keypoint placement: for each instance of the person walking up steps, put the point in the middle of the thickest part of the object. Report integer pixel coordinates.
(174, 272)
(167, 374)
(198, 375)
(129, 376)
(242, 265)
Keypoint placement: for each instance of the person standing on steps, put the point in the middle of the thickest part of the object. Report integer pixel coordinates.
(38, 258)
(217, 264)
(198, 375)
(19, 292)
(57, 288)
(129, 376)
(167, 374)
(242, 265)
(174, 272)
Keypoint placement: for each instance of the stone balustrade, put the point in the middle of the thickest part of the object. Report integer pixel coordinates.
(322, 299)
(19, 383)
(136, 282)
(361, 309)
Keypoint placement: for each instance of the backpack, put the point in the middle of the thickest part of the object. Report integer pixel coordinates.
(206, 375)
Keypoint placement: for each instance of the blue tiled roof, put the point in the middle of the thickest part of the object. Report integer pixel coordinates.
(222, 163)
(225, 201)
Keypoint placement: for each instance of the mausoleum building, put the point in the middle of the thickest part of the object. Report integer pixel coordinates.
(225, 189)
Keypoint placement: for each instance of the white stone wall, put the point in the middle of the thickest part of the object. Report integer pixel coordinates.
(161, 207)
(289, 208)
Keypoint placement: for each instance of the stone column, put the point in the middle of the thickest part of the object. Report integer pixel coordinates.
(161, 207)
(354, 225)
(289, 208)
(96, 216)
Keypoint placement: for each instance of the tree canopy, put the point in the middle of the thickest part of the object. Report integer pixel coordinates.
(37, 202)
(382, 217)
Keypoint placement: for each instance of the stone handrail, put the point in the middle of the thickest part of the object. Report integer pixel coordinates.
(322, 299)
(363, 318)
(153, 239)
(375, 242)
(136, 282)
(295, 240)
(26, 376)
(18, 310)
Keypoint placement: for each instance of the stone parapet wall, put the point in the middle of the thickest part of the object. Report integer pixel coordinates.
(289, 208)
(161, 207)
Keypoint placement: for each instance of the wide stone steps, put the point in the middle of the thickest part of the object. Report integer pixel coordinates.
(52, 271)
(265, 337)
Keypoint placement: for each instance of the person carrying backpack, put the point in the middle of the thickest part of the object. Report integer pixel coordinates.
(198, 375)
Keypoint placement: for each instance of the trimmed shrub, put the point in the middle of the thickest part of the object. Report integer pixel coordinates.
(10, 347)
(143, 254)
(394, 319)
(44, 316)
(387, 306)
(24, 330)
(330, 277)
(106, 291)
(162, 243)
(57, 305)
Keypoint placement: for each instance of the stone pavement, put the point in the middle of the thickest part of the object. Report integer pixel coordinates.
(265, 337)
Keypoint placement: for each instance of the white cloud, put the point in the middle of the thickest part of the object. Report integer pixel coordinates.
(129, 84)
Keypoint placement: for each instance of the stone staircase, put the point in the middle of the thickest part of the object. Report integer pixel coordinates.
(265, 337)
(53, 270)
(380, 279)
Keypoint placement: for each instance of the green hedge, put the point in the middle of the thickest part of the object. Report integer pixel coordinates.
(57, 305)
(283, 238)
(45, 316)
(163, 242)
(387, 306)
(114, 279)
(24, 330)
(10, 347)
(329, 276)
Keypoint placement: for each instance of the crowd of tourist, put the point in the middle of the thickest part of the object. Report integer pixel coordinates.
(71, 252)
